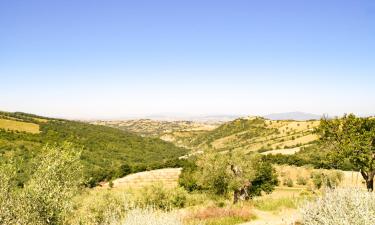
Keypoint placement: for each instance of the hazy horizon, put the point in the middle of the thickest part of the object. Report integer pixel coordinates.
(115, 59)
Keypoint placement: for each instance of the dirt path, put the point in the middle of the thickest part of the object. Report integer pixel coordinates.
(284, 217)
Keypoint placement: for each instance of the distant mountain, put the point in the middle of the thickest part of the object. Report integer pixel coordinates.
(292, 116)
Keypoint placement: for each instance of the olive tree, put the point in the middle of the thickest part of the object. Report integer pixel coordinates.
(235, 172)
(352, 138)
(46, 197)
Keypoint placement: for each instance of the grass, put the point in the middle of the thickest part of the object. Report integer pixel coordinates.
(151, 217)
(167, 176)
(275, 204)
(219, 221)
(19, 126)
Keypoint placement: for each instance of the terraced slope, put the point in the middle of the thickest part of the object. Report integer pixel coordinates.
(251, 134)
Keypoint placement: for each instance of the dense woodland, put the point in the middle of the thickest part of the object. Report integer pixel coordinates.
(107, 153)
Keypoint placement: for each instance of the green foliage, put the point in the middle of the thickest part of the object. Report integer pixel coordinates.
(214, 172)
(107, 152)
(100, 207)
(188, 179)
(301, 180)
(351, 138)
(243, 129)
(269, 204)
(288, 182)
(160, 197)
(330, 179)
(47, 196)
(315, 155)
(265, 179)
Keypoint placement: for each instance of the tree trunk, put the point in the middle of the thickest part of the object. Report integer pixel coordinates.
(236, 196)
(370, 184)
(369, 178)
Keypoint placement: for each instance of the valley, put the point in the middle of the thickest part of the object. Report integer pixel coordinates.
(183, 170)
(105, 151)
(246, 134)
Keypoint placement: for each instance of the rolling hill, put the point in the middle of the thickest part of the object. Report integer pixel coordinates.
(245, 134)
(254, 134)
(157, 128)
(107, 152)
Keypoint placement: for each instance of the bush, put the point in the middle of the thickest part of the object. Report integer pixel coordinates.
(265, 179)
(215, 172)
(47, 197)
(288, 182)
(301, 180)
(330, 179)
(159, 197)
(340, 206)
(100, 207)
(188, 179)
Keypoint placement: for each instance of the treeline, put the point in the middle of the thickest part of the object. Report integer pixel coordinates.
(315, 155)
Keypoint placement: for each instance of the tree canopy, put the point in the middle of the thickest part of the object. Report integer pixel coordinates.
(351, 138)
(244, 175)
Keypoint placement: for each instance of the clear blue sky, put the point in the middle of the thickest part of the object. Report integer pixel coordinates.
(103, 59)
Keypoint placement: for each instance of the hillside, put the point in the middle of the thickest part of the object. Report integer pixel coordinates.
(246, 134)
(157, 128)
(249, 134)
(107, 152)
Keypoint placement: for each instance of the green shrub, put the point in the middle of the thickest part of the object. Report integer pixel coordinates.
(188, 179)
(159, 197)
(301, 180)
(288, 182)
(47, 197)
(330, 179)
(102, 207)
(217, 173)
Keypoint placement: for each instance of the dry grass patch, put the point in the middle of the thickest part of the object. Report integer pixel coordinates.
(300, 140)
(168, 177)
(41, 120)
(19, 126)
(217, 215)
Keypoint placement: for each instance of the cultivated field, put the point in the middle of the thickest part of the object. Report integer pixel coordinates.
(14, 125)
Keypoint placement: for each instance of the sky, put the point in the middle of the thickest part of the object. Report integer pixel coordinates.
(114, 59)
